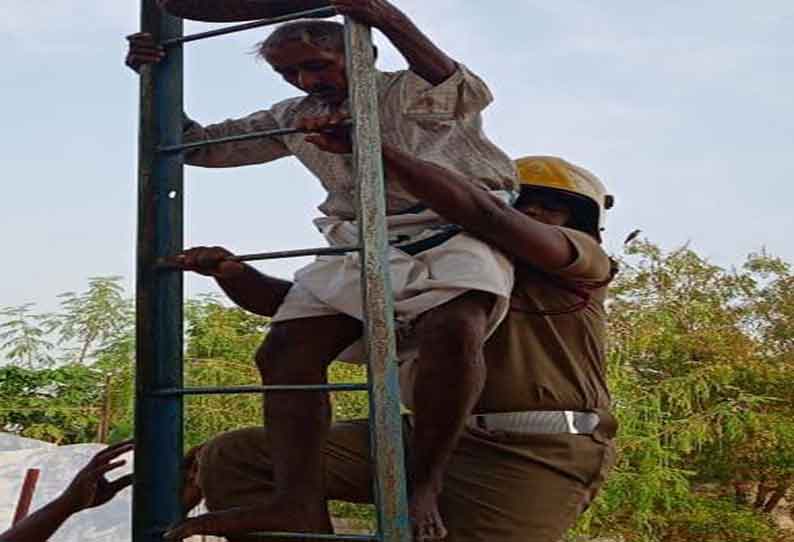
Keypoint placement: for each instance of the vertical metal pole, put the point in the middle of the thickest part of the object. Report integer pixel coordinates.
(158, 420)
(384, 396)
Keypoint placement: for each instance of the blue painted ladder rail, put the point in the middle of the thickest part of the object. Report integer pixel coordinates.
(159, 388)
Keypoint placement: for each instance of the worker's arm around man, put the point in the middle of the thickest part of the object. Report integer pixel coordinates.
(516, 232)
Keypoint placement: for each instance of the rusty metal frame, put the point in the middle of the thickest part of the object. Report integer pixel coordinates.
(159, 294)
(384, 397)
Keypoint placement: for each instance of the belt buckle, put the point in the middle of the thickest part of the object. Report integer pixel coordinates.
(570, 421)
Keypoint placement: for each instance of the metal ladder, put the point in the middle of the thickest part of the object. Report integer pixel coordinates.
(159, 291)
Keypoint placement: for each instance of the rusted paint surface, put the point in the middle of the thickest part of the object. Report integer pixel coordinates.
(386, 423)
(158, 420)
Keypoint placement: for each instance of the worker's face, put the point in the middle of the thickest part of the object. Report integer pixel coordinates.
(318, 72)
(545, 206)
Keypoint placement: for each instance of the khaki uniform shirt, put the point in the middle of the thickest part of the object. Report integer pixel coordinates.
(552, 362)
(441, 124)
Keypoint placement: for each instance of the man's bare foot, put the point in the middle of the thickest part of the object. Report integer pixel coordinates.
(271, 517)
(426, 519)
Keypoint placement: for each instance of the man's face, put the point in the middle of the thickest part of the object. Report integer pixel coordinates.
(318, 72)
(545, 206)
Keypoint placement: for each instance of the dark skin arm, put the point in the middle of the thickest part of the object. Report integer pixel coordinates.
(88, 489)
(248, 288)
(423, 56)
(459, 201)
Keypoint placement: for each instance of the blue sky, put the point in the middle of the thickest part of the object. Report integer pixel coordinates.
(684, 109)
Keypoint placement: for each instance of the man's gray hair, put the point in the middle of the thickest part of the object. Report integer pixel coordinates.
(327, 35)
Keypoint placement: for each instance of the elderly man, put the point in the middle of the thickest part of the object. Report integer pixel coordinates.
(540, 443)
(451, 290)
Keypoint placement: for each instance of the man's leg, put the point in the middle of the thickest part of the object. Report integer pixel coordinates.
(235, 469)
(295, 352)
(450, 376)
(298, 352)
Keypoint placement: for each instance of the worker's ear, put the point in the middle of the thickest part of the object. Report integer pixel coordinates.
(375, 52)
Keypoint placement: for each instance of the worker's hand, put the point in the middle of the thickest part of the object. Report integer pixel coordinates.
(143, 50)
(333, 132)
(90, 488)
(375, 13)
(209, 261)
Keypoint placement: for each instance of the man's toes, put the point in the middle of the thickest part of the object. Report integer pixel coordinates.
(429, 529)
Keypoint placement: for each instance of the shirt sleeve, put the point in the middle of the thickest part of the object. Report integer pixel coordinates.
(590, 264)
(462, 94)
(238, 153)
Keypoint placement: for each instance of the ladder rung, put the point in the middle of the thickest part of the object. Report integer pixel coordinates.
(230, 139)
(319, 12)
(316, 536)
(323, 251)
(239, 390)
(170, 263)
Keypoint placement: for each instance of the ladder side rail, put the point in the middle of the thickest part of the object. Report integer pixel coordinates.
(158, 420)
(385, 418)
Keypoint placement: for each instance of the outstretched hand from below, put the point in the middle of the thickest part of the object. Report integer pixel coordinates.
(89, 488)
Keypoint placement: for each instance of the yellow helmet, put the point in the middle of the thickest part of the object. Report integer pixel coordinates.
(550, 172)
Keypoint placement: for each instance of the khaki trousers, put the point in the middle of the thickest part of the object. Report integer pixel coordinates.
(498, 488)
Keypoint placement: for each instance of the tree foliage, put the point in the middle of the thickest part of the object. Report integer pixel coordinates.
(700, 370)
(701, 367)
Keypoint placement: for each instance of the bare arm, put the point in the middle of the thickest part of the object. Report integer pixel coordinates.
(256, 292)
(40, 525)
(458, 200)
(88, 489)
(423, 56)
(143, 50)
(248, 288)
(487, 218)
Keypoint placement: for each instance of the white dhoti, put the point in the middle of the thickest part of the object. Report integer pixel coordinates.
(429, 270)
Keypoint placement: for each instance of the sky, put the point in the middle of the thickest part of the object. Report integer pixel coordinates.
(684, 109)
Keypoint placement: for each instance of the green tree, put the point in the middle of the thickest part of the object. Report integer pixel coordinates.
(699, 395)
(95, 319)
(57, 405)
(24, 336)
(220, 345)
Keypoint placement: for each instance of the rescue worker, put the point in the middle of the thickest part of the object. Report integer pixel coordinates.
(451, 290)
(540, 443)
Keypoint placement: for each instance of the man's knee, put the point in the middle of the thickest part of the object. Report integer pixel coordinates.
(268, 352)
(457, 328)
(305, 346)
